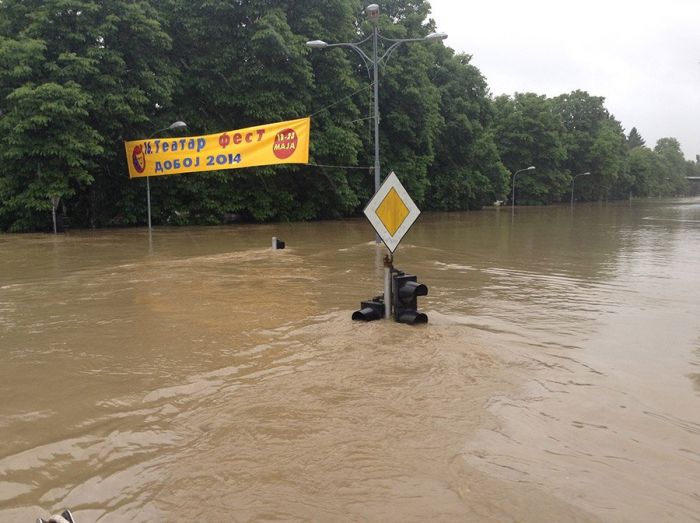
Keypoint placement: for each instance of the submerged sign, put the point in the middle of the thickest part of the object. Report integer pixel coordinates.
(277, 143)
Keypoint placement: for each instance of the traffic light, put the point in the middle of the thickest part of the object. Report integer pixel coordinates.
(406, 292)
(370, 310)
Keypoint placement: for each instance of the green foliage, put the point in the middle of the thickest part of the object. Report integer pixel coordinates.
(47, 148)
(467, 172)
(634, 139)
(529, 132)
(79, 77)
(410, 117)
(658, 172)
(674, 167)
(607, 156)
(594, 143)
(644, 168)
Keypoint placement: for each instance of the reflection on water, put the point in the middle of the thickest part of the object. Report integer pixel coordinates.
(210, 377)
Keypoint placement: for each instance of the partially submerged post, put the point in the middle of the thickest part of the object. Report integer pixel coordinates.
(388, 267)
(54, 205)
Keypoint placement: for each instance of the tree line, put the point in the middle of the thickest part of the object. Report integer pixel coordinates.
(79, 77)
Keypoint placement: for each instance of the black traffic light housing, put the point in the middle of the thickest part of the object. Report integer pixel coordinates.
(370, 310)
(406, 292)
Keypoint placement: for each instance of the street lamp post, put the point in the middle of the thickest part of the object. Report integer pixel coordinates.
(512, 200)
(172, 127)
(375, 61)
(572, 184)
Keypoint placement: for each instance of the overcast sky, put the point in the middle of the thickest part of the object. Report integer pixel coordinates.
(642, 56)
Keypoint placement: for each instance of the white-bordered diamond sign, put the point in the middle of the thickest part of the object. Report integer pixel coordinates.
(391, 212)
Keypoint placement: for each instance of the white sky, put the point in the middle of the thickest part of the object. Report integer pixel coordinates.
(642, 56)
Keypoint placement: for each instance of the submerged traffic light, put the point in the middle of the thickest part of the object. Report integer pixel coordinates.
(370, 310)
(406, 292)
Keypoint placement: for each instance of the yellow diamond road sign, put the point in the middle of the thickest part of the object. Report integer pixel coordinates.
(391, 212)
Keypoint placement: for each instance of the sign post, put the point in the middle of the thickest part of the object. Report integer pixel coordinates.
(391, 211)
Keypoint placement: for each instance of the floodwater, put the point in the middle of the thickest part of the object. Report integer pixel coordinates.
(204, 377)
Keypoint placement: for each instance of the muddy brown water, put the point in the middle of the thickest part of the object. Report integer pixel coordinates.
(204, 377)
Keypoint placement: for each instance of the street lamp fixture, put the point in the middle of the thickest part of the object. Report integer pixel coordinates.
(374, 61)
(372, 12)
(320, 44)
(316, 44)
(175, 126)
(572, 184)
(512, 200)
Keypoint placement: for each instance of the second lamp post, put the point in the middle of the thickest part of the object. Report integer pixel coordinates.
(512, 200)
(172, 127)
(572, 184)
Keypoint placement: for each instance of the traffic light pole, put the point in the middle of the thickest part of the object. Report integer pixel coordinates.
(388, 268)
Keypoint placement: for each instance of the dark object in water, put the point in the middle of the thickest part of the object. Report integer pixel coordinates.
(64, 517)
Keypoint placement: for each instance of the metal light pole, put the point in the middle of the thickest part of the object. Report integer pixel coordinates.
(572, 184)
(375, 61)
(172, 127)
(512, 200)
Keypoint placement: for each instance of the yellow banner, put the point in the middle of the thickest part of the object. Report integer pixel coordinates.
(282, 142)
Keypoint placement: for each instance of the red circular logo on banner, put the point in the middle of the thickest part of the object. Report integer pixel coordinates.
(138, 158)
(285, 143)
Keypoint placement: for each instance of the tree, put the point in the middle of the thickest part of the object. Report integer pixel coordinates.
(47, 147)
(528, 131)
(607, 159)
(76, 78)
(48, 150)
(673, 167)
(643, 167)
(594, 142)
(467, 172)
(634, 139)
(581, 116)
